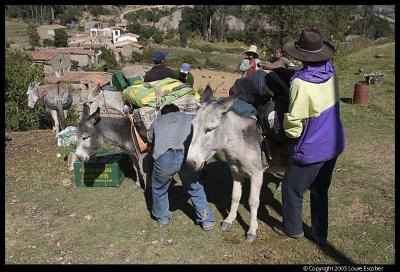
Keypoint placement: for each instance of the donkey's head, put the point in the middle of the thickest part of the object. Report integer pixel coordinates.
(33, 95)
(89, 135)
(207, 128)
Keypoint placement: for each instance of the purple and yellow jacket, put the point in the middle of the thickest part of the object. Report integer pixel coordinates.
(314, 116)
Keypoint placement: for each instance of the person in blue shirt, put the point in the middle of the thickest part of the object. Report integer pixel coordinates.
(170, 134)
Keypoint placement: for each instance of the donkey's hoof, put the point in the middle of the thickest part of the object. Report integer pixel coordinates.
(250, 238)
(226, 226)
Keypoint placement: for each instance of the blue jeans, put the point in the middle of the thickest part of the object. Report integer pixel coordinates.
(164, 168)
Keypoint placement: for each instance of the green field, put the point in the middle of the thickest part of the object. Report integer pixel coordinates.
(48, 220)
(15, 31)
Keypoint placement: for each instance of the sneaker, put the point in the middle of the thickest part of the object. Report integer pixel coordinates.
(163, 224)
(207, 226)
(281, 232)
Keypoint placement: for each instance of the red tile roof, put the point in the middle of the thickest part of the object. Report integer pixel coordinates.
(124, 43)
(96, 79)
(75, 51)
(81, 76)
(91, 45)
(65, 50)
(42, 55)
(132, 35)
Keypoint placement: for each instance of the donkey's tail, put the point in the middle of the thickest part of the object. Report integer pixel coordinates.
(60, 112)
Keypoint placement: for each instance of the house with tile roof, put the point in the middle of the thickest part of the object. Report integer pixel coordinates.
(85, 81)
(47, 31)
(126, 48)
(54, 62)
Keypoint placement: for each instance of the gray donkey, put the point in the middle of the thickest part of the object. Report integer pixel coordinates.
(216, 128)
(93, 130)
(51, 95)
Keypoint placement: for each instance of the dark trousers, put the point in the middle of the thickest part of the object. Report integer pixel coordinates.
(315, 177)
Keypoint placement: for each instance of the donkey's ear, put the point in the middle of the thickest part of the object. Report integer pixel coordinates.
(225, 104)
(85, 110)
(95, 116)
(206, 95)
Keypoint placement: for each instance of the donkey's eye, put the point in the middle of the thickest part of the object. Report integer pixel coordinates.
(85, 137)
(209, 129)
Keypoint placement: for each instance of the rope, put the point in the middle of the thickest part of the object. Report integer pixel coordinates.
(130, 116)
(104, 99)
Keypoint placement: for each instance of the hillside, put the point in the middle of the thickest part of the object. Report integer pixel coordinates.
(50, 221)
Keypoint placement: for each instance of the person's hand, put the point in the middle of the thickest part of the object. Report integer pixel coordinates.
(266, 65)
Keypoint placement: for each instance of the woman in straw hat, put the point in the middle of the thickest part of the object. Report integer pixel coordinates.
(313, 122)
(250, 62)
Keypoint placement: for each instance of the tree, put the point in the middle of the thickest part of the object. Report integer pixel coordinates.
(368, 14)
(18, 74)
(108, 57)
(74, 65)
(48, 42)
(60, 38)
(33, 35)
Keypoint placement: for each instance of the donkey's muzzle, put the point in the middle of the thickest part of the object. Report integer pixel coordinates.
(195, 164)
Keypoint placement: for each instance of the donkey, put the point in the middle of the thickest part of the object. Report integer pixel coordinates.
(51, 95)
(93, 130)
(216, 128)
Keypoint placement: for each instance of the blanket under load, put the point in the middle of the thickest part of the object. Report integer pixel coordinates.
(143, 117)
(141, 95)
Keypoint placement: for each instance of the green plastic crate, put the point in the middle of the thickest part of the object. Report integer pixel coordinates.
(135, 80)
(103, 170)
(119, 81)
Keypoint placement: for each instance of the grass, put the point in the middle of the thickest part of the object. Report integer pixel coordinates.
(15, 31)
(46, 221)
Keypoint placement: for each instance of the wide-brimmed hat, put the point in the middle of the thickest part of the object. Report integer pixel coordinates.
(310, 47)
(252, 49)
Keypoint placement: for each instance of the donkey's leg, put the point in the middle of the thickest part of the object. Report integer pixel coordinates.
(56, 124)
(136, 166)
(254, 201)
(65, 115)
(236, 194)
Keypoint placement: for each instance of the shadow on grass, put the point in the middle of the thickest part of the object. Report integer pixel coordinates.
(218, 186)
(217, 180)
(347, 100)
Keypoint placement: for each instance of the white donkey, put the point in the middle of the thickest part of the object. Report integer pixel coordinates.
(51, 94)
(216, 128)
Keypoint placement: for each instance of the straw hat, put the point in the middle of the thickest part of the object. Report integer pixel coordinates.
(310, 47)
(252, 49)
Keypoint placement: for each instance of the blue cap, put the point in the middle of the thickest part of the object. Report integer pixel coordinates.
(159, 55)
(185, 68)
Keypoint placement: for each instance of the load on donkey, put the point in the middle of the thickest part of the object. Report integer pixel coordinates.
(143, 102)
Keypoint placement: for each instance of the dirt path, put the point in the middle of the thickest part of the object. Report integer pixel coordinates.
(221, 80)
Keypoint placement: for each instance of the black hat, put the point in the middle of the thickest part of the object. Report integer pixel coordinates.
(310, 47)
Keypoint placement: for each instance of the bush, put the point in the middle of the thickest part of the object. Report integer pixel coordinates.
(158, 38)
(205, 48)
(73, 117)
(232, 36)
(60, 38)
(136, 57)
(109, 58)
(48, 42)
(18, 74)
(74, 65)
(234, 50)
(211, 64)
(170, 35)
